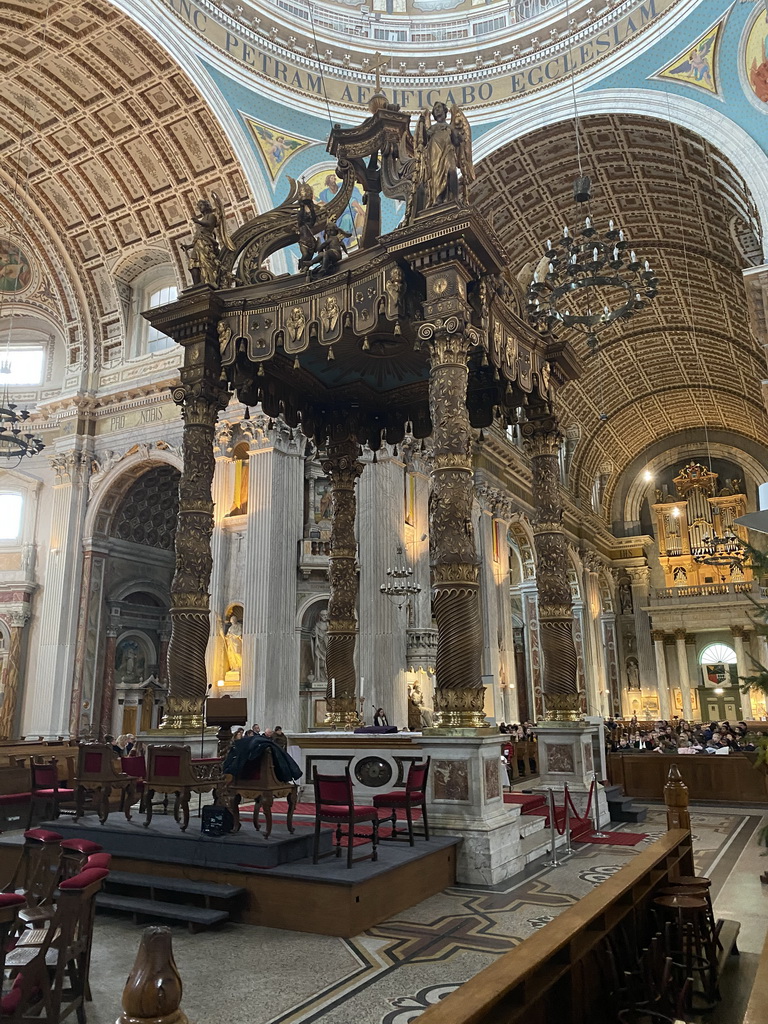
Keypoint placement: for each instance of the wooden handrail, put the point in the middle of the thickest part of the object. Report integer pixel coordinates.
(508, 989)
(758, 1000)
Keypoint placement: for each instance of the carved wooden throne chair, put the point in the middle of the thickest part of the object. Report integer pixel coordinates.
(96, 775)
(260, 784)
(172, 769)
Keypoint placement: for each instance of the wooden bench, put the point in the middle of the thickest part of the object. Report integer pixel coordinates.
(758, 1000)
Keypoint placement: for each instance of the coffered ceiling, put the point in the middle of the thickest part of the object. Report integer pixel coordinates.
(687, 360)
(117, 147)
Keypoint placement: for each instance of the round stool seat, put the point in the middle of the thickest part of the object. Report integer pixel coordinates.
(680, 901)
(683, 890)
(696, 880)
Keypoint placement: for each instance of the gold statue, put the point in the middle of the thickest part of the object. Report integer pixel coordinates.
(204, 260)
(442, 150)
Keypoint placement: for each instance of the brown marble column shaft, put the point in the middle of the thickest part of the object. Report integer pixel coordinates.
(108, 684)
(459, 690)
(542, 439)
(343, 467)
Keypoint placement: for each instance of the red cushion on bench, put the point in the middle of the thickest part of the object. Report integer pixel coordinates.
(86, 846)
(84, 879)
(343, 812)
(14, 798)
(99, 860)
(43, 835)
(12, 899)
(55, 792)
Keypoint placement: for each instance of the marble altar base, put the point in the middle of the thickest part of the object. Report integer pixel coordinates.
(466, 799)
(565, 756)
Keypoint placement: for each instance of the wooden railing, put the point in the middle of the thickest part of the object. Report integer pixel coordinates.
(731, 779)
(557, 974)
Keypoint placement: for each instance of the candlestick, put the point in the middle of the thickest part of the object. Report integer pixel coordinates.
(362, 686)
(333, 688)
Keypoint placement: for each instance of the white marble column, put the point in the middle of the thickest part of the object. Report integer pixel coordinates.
(683, 673)
(662, 679)
(742, 668)
(641, 578)
(270, 674)
(507, 673)
(47, 700)
(381, 650)
(611, 654)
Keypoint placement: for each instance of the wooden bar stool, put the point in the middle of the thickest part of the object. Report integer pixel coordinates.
(693, 948)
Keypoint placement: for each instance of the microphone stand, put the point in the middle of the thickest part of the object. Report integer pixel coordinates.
(202, 745)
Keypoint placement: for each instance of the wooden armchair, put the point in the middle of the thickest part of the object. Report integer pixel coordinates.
(260, 784)
(172, 769)
(52, 965)
(46, 787)
(15, 796)
(96, 775)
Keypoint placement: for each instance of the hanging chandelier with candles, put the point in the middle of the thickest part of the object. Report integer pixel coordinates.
(588, 280)
(400, 583)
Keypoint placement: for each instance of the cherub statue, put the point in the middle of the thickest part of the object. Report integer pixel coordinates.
(329, 314)
(442, 150)
(210, 236)
(331, 251)
(224, 333)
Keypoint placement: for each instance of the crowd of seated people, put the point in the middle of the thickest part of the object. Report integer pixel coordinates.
(679, 737)
(518, 732)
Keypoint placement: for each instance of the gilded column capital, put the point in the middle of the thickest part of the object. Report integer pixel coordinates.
(738, 632)
(639, 574)
(658, 636)
(681, 634)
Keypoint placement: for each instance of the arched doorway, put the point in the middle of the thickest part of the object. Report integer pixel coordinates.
(125, 625)
(719, 697)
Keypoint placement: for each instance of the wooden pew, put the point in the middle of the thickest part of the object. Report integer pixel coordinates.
(15, 796)
(558, 973)
(725, 778)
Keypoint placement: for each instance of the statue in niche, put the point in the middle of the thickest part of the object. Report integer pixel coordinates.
(224, 333)
(320, 647)
(210, 235)
(633, 674)
(625, 596)
(442, 150)
(658, 496)
(232, 636)
(394, 288)
(129, 662)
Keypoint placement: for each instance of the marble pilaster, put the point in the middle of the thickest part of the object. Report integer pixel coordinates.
(489, 611)
(12, 674)
(270, 674)
(48, 715)
(381, 619)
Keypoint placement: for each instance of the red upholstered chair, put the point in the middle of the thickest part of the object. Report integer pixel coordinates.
(335, 804)
(414, 795)
(96, 774)
(172, 769)
(45, 787)
(135, 765)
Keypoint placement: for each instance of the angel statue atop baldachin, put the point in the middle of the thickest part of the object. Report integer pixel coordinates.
(208, 241)
(442, 150)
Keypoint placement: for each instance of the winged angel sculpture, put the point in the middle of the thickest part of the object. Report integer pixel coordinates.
(442, 149)
(209, 239)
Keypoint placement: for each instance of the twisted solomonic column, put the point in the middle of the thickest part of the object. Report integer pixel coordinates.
(542, 438)
(343, 467)
(190, 603)
(459, 690)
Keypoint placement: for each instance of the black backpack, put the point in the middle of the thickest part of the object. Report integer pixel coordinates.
(217, 821)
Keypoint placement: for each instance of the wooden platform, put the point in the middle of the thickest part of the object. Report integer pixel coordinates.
(326, 898)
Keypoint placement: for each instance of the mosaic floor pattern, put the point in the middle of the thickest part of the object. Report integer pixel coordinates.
(391, 973)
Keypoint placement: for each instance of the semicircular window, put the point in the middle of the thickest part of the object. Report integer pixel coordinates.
(147, 514)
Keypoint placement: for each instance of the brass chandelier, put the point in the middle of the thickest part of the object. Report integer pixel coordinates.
(575, 285)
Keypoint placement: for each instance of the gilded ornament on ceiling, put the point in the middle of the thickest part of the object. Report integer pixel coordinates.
(275, 145)
(16, 268)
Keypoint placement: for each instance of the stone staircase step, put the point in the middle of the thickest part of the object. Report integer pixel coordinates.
(138, 907)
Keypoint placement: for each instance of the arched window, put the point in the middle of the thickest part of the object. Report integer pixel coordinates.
(717, 654)
(155, 287)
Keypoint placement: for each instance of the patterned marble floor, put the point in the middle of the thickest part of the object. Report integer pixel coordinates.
(390, 973)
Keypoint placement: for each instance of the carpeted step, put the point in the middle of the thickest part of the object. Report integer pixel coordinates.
(525, 801)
